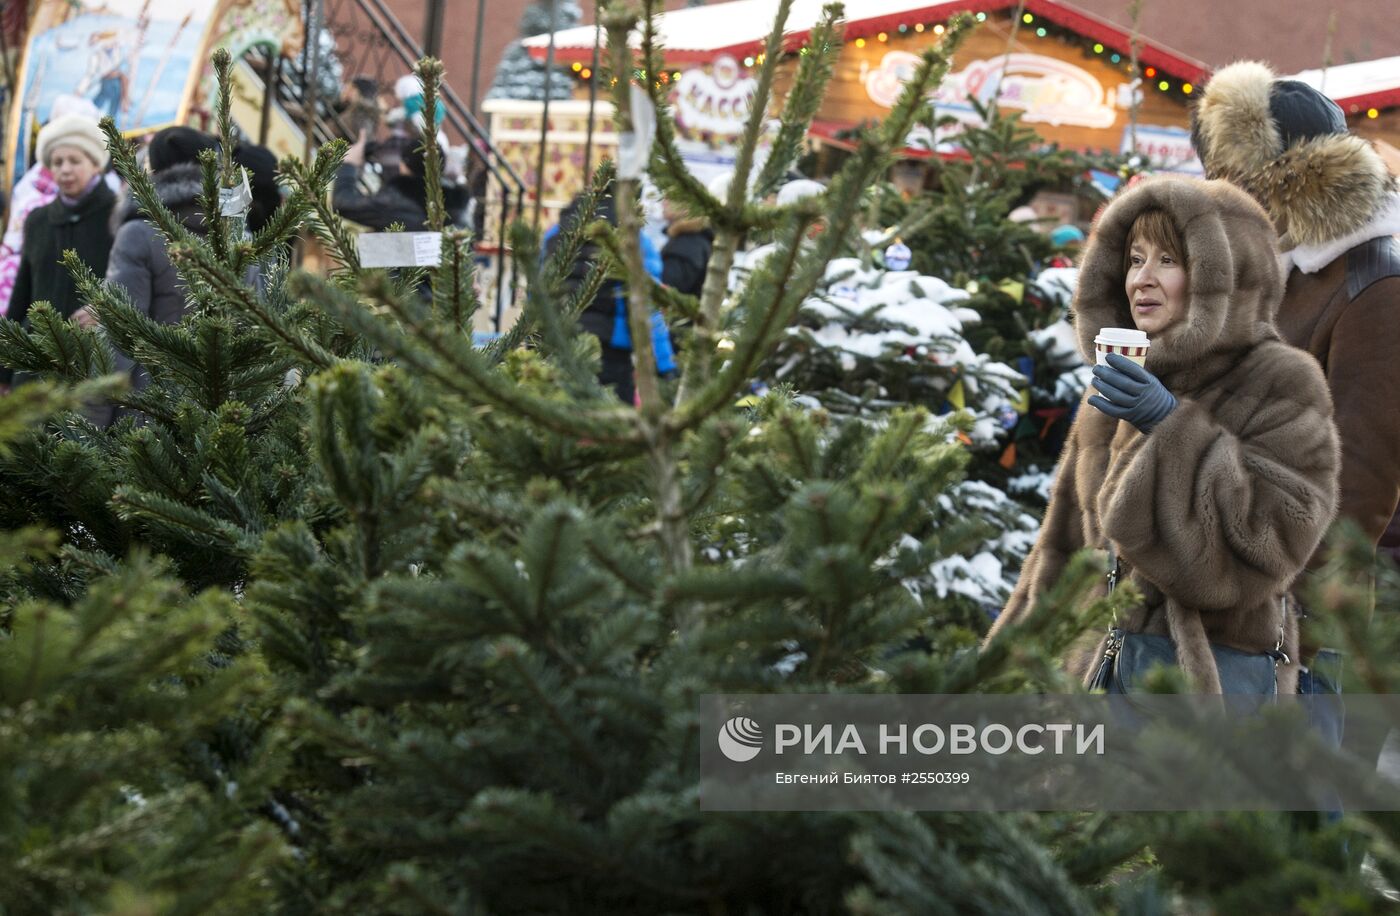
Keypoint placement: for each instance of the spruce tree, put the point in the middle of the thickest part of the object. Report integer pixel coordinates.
(519, 75)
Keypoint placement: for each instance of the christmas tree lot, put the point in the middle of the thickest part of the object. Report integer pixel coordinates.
(347, 615)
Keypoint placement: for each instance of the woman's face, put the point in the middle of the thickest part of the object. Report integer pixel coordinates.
(72, 169)
(1156, 287)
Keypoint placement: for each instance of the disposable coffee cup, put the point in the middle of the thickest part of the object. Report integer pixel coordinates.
(1129, 342)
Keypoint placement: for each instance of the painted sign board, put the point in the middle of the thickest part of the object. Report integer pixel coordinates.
(1167, 148)
(135, 60)
(1044, 89)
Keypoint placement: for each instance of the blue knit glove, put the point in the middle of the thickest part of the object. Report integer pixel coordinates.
(1129, 392)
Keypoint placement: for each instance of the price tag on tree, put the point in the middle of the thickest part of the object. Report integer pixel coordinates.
(400, 249)
(235, 201)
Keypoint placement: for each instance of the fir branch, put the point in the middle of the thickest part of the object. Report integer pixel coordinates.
(197, 261)
(772, 298)
(758, 105)
(546, 702)
(619, 24)
(566, 250)
(55, 346)
(123, 154)
(429, 71)
(232, 292)
(313, 184)
(728, 222)
(229, 174)
(668, 168)
(454, 292)
(29, 405)
(672, 302)
(456, 366)
(194, 525)
(281, 227)
(796, 277)
(219, 238)
(579, 378)
(815, 67)
(625, 570)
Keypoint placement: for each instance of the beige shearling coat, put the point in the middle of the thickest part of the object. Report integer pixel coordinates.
(1217, 510)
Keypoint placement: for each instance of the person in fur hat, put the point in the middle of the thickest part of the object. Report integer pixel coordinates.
(1211, 473)
(1336, 210)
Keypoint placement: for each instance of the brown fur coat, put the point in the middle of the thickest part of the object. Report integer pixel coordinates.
(1215, 512)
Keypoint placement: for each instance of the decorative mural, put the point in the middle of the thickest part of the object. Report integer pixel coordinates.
(133, 59)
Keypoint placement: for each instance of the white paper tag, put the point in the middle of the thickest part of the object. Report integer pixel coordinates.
(634, 146)
(400, 249)
(235, 201)
(427, 248)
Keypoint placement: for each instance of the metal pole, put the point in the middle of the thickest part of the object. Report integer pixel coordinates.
(432, 38)
(501, 256)
(592, 91)
(544, 113)
(311, 75)
(476, 57)
(273, 75)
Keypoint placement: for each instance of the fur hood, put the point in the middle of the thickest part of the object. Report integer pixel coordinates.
(1316, 190)
(178, 187)
(1215, 512)
(1234, 282)
(687, 226)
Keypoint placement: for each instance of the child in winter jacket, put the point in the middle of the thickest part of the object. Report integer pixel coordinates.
(1210, 473)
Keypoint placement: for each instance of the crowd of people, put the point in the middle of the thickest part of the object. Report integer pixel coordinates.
(70, 198)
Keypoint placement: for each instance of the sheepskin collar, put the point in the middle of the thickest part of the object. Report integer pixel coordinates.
(1316, 191)
(1233, 282)
(686, 226)
(1312, 258)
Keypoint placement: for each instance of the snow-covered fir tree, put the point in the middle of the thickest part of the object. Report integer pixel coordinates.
(520, 76)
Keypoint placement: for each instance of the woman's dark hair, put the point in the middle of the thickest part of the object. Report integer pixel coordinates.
(1155, 227)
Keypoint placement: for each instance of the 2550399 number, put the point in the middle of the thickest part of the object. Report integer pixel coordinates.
(953, 779)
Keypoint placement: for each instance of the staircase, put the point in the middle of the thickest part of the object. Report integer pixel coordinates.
(370, 42)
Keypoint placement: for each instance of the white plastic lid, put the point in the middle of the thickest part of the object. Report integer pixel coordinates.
(1122, 337)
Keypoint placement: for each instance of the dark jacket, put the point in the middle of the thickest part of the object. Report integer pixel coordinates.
(685, 255)
(139, 263)
(597, 317)
(48, 232)
(400, 199)
(1216, 512)
(1335, 203)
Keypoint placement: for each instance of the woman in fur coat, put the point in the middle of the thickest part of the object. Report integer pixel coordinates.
(1212, 473)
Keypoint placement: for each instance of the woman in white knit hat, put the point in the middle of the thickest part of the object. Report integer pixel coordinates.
(34, 189)
(74, 150)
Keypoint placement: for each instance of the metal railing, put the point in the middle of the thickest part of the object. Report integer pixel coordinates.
(370, 42)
